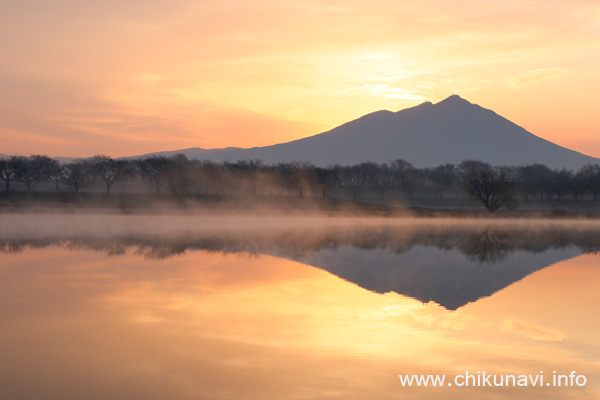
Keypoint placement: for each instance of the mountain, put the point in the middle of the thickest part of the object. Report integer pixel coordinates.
(192, 152)
(427, 135)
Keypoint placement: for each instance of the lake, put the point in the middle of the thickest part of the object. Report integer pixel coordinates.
(248, 307)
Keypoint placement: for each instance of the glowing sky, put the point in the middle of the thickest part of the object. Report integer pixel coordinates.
(81, 77)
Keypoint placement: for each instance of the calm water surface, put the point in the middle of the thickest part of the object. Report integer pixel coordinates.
(109, 307)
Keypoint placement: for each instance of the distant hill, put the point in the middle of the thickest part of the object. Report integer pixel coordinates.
(427, 135)
(192, 152)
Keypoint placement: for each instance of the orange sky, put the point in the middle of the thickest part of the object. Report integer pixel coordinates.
(82, 77)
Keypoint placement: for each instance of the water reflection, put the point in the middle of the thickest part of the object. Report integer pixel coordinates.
(81, 324)
(490, 245)
(451, 265)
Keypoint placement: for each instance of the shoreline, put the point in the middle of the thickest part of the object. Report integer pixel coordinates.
(274, 205)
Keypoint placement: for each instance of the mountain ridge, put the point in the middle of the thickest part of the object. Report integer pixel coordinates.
(426, 135)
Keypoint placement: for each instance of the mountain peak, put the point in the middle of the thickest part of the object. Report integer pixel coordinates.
(454, 99)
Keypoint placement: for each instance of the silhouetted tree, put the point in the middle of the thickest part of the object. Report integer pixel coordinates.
(561, 182)
(77, 174)
(510, 174)
(441, 179)
(384, 180)
(329, 178)
(33, 169)
(352, 179)
(128, 172)
(368, 173)
(577, 185)
(55, 173)
(155, 170)
(213, 175)
(252, 169)
(406, 177)
(245, 174)
(534, 180)
(108, 170)
(492, 186)
(179, 175)
(590, 176)
(287, 177)
(8, 170)
(25, 173)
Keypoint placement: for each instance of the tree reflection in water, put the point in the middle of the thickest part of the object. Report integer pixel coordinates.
(488, 246)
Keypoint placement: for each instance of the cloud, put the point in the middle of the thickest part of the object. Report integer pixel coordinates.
(63, 118)
(532, 331)
(536, 75)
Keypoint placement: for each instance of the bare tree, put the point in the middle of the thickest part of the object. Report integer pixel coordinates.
(249, 171)
(179, 174)
(307, 177)
(406, 177)
(214, 176)
(155, 169)
(561, 182)
(296, 177)
(33, 169)
(534, 180)
(492, 186)
(441, 179)
(128, 172)
(8, 171)
(77, 174)
(108, 170)
(25, 173)
(590, 175)
(368, 174)
(329, 178)
(352, 179)
(287, 177)
(56, 174)
(384, 180)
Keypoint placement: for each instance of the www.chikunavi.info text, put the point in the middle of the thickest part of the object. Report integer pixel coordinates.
(483, 379)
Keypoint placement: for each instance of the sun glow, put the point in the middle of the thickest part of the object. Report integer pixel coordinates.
(215, 74)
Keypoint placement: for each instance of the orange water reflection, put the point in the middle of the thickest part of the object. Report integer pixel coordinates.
(80, 324)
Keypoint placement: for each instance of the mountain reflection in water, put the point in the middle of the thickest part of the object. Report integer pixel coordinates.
(451, 265)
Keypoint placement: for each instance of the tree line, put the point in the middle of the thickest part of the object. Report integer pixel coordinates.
(493, 186)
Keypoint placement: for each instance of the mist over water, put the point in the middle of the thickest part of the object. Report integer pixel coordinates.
(166, 222)
(482, 240)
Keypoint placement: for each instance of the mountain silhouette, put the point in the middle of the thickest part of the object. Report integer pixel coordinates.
(427, 135)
